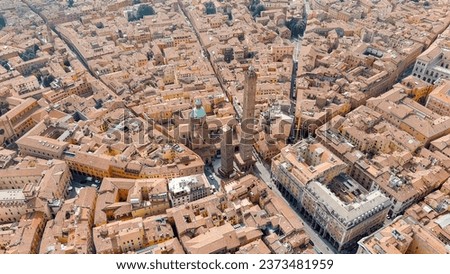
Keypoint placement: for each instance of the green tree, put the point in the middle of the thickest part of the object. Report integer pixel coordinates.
(28, 54)
(2, 22)
(46, 80)
(296, 26)
(210, 8)
(258, 9)
(253, 4)
(145, 10)
(70, 3)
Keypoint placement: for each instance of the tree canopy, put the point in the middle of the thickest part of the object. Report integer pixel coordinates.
(5, 64)
(143, 10)
(210, 8)
(296, 26)
(46, 80)
(2, 22)
(29, 53)
(258, 9)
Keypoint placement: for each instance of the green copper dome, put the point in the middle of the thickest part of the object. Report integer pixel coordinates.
(198, 111)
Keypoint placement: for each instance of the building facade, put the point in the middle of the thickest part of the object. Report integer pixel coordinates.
(183, 190)
(343, 211)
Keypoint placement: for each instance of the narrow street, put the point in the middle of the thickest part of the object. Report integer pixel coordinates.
(261, 169)
(73, 51)
(204, 49)
(71, 47)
